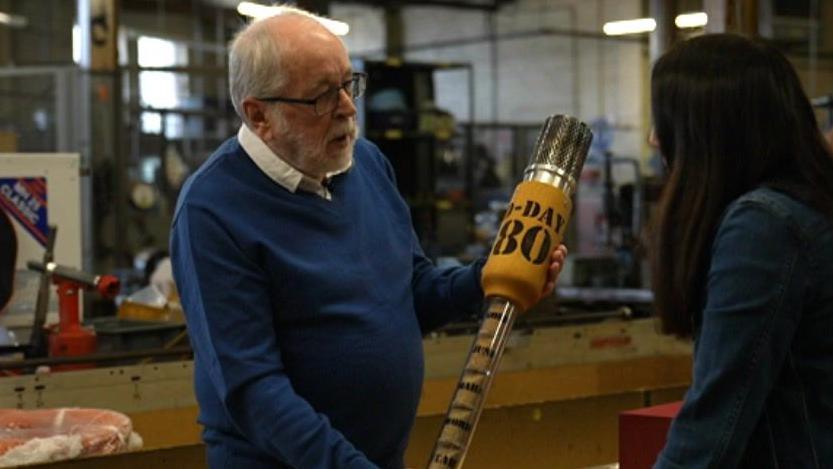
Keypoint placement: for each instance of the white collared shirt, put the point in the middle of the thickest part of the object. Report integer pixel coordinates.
(279, 170)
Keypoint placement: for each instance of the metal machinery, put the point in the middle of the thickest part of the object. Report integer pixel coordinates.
(38, 191)
(68, 338)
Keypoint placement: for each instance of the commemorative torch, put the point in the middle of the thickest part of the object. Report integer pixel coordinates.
(515, 272)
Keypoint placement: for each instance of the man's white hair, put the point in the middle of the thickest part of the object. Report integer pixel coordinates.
(255, 67)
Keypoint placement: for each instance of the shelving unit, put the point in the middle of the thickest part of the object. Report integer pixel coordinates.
(431, 155)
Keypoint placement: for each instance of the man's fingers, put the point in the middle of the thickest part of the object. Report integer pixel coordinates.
(560, 253)
(557, 259)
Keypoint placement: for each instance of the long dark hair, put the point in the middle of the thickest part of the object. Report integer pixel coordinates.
(730, 115)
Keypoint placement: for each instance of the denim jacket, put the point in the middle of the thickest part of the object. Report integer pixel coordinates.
(762, 388)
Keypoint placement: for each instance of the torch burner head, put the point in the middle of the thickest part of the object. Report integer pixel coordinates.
(560, 152)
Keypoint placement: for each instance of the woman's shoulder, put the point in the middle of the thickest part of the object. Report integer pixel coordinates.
(778, 201)
(777, 209)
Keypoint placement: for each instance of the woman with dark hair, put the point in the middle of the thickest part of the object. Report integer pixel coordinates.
(744, 256)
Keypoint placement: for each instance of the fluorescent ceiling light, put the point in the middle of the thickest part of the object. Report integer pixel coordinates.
(691, 20)
(13, 20)
(76, 44)
(639, 25)
(258, 12)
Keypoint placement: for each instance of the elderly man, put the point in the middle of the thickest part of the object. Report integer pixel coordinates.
(305, 289)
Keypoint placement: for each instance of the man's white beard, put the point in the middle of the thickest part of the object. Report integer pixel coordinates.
(321, 163)
(311, 158)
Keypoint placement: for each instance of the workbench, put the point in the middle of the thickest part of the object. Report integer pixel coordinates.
(554, 403)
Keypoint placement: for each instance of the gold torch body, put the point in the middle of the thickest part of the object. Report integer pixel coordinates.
(532, 228)
(515, 273)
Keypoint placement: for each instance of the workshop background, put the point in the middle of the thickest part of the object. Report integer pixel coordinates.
(106, 107)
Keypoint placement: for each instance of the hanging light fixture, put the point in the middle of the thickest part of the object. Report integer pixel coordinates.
(635, 26)
(15, 21)
(259, 11)
(691, 20)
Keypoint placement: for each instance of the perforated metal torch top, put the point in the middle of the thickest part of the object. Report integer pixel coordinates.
(560, 152)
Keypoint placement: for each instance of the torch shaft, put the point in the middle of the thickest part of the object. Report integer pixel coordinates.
(473, 386)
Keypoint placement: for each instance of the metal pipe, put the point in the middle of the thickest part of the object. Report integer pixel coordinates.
(37, 340)
(96, 358)
(505, 37)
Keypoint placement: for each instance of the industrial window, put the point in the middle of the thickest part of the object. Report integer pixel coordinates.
(161, 89)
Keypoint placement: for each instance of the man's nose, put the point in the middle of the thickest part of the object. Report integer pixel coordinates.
(346, 106)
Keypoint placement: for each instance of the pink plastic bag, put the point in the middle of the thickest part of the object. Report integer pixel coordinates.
(30, 436)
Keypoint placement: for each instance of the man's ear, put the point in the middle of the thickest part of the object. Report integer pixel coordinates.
(257, 116)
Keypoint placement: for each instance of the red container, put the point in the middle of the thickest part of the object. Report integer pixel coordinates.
(642, 434)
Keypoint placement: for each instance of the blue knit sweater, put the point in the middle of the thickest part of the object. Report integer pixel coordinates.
(306, 315)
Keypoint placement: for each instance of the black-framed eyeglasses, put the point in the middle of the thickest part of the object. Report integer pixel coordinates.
(325, 102)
